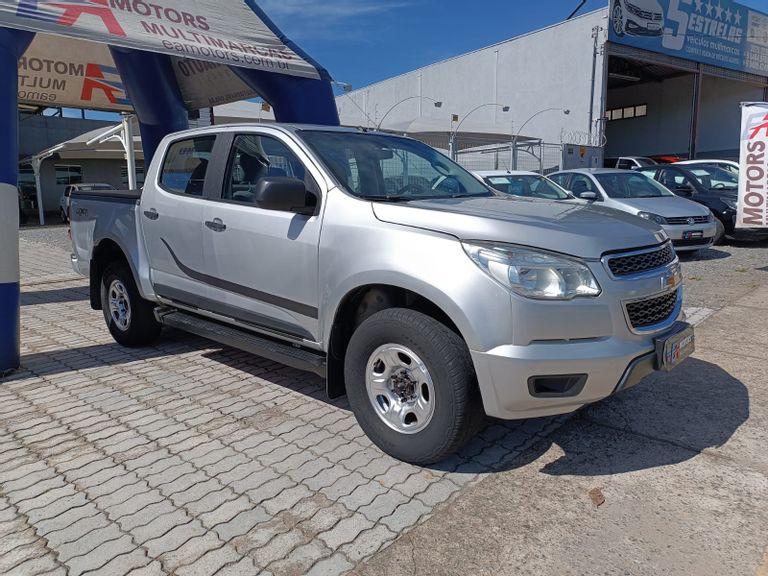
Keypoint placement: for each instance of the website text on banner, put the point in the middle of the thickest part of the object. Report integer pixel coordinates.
(753, 172)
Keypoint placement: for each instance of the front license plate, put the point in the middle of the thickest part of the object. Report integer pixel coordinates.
(652, 26)
(672, 350)
(691, 234)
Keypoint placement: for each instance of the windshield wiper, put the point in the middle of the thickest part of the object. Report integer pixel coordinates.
(389, 198)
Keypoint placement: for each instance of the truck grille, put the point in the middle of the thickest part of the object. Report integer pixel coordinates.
(682, 220)
(652, 311)
(636, 263)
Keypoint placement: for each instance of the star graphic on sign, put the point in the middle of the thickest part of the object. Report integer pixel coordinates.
(737, 18)
(719, 10)
(699, 5)
(728, 14)
(710, 8)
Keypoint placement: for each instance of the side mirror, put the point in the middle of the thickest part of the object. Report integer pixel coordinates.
(684, 190)
(588, 196)
(284, 194)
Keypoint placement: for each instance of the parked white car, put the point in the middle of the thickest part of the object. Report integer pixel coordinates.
(690, 225)
(729, 165)
(523, 184)
(64, 198)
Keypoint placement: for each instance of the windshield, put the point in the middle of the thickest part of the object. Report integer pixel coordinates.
(527, 185)
(642, 161)
(389, 168)
(631, 185)
(715, 177)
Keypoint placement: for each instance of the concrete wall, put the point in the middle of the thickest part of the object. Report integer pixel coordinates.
(721, 116)
(666, 128)
(548, 68)
(106, 171)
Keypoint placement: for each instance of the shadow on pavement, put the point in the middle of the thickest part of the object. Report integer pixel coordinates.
(677, 415)
(55, 296)
(706, 254)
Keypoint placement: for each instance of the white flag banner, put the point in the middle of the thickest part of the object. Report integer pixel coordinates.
(230, 32)
(58, 71)
(753, 166)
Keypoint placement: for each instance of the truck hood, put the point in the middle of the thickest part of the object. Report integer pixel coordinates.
(667, 206)
(569, 227)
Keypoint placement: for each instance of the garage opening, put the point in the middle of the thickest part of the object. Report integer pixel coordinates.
(668, 108)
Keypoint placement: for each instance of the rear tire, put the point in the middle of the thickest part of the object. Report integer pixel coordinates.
(130, 318)
(412, 386)
(719, 232)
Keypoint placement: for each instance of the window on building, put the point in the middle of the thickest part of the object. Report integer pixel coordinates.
(139, 175)
(68, 174)
(626, 112)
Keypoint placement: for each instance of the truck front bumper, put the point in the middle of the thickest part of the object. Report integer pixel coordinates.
(594, 368)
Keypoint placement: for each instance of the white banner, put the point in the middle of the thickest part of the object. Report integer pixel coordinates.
(222, 32)
(57, 71)
(753, 169)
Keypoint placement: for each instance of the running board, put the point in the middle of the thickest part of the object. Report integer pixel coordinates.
(287, 354)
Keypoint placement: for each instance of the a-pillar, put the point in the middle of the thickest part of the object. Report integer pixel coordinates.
(13, 43)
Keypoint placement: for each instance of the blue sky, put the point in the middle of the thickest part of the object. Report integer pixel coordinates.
(364, 41)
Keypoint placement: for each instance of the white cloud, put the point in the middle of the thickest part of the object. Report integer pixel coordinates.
(326, 9)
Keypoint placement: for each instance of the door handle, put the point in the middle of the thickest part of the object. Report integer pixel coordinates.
(152, 214)
(216, 225)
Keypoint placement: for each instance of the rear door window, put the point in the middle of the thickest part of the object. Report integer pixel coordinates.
(186, 164)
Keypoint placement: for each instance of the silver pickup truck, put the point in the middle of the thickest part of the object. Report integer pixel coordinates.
(377, 262)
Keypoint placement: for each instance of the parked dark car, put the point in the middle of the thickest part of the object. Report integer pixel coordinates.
(715, 188)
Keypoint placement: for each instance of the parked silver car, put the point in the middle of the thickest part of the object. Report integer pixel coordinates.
(690, 225)
(522, 184)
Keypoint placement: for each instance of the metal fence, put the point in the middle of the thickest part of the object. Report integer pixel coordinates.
(537, 156)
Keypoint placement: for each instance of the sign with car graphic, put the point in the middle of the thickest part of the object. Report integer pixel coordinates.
(717, 32)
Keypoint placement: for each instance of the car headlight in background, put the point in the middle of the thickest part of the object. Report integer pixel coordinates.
(652, 217)
(731, 203)
(533, 273)
(710, 217)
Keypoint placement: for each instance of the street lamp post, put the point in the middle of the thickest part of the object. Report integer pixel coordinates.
(436, 103)
(513, 151)
(452, 139)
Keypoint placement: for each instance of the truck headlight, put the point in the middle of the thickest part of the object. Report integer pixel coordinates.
(533, 273)
(653, 217)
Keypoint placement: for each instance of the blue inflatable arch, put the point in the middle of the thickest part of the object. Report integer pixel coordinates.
(151, 87)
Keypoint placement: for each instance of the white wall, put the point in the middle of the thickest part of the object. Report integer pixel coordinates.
(548, 68)
(720, 117)
(664, 130)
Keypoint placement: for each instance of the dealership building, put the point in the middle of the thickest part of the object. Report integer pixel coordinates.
(637, 77)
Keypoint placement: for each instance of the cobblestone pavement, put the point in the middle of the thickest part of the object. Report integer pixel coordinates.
(188, 458)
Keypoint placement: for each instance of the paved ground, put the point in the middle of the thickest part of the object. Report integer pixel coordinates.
(188, 458)
(668, 478)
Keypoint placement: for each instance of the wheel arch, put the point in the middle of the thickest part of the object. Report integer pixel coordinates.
(105, 252)
(362, 301)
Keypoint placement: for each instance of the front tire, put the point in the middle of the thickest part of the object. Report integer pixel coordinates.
(412, 386)
(130, 318)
